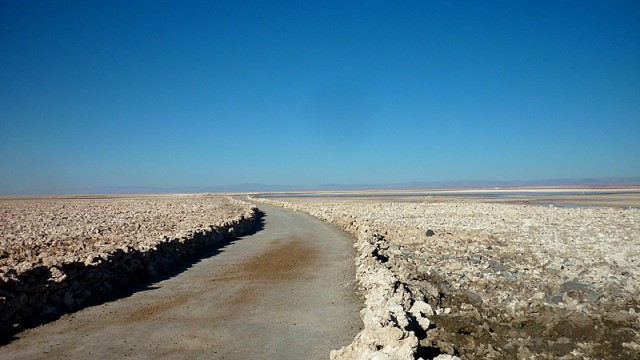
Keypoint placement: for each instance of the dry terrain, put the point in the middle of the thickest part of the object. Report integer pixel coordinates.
(37, 231)
(284, 292)
(484, 278)
(57, 253)
(478, 276)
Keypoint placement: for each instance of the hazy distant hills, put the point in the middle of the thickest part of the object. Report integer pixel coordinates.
(587, 182)
(254, 187)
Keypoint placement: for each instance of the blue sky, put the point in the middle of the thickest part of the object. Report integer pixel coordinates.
(179, 93)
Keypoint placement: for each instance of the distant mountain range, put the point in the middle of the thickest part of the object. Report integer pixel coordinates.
(255, 187)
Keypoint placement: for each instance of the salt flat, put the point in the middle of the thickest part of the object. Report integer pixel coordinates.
(53, 230)
(503, 279)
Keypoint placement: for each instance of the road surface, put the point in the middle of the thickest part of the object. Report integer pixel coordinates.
(286, 292)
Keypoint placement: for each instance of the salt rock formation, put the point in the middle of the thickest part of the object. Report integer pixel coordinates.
(59, 253)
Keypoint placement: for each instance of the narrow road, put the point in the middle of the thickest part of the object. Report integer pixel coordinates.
(286, 292)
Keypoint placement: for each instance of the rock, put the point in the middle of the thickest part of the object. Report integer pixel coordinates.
(473, 297)
(430, 233)
(496, 266)
(509, 276)
(633, 346)
(48, 309)
(525, 353)
(556, 299)
(475, 258)
(445, 288)
(588, 290)
(421, 310)
(67, 300)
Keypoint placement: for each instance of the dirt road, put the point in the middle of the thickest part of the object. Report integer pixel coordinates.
(285, 292)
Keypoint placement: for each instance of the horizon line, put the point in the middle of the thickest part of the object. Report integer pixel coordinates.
(592, 182)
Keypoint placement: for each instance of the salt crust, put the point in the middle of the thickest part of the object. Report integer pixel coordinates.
(510, 261)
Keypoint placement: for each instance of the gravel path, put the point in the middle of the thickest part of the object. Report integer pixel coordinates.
(285, 292)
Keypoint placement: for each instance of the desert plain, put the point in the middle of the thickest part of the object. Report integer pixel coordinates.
(546, 273)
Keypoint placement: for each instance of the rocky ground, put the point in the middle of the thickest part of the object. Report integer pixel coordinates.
(53, 231)
(486, 280)
(56, 253)
(284, 292)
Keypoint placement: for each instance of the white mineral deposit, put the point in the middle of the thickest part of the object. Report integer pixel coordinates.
(490, 280)
(58, 253)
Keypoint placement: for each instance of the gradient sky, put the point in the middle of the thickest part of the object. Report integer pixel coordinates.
(179, 93)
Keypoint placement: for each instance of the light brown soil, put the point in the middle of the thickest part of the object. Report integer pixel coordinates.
(282, 262)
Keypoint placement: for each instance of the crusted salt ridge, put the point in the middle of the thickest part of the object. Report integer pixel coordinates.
(391, 313)
(52, 232)
(45, 276)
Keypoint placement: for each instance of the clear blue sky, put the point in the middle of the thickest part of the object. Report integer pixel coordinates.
(179, 93)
